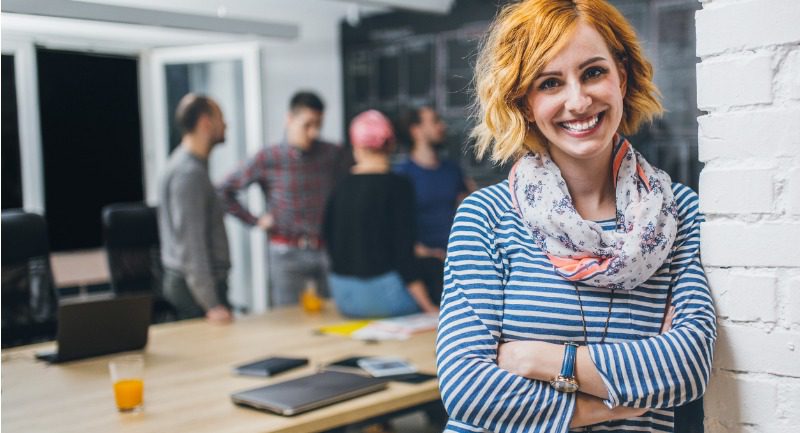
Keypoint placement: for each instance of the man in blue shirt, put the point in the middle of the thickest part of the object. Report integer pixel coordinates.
(439, 187)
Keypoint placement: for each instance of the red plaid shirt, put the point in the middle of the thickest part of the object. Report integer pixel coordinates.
(296, 185)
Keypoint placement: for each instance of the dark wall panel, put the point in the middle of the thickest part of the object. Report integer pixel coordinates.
(91, 141)
(12, 168)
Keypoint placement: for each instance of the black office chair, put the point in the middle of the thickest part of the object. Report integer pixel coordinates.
(134, 254)
(29, 300)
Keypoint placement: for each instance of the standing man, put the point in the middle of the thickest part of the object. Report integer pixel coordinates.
(439, 188)
(296, 177)
(194, 245)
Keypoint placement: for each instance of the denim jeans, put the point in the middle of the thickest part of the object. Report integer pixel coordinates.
(290, 268)
(381, 296)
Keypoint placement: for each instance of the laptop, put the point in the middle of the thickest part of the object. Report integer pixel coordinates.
(309, 392)
(100, 324)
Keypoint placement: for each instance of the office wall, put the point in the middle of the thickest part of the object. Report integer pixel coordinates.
(312, 61)
(750, 192)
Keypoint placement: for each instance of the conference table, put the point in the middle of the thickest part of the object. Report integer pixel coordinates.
(189, 379)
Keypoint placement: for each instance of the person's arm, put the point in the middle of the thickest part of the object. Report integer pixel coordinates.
(678, 363)
(238, 180)
(188, 209)
(403, 231)
(658, 372)
(474, 389)
(467, 187)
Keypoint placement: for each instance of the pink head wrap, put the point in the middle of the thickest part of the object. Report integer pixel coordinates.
(371, 130)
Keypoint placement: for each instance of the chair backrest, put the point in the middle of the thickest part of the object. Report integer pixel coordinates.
(29, 300)
(132, 246)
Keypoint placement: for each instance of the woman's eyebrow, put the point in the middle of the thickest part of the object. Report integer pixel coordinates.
(581, 66)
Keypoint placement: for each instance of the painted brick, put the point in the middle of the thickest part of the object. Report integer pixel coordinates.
(744, 295)
(737, 190)
(735, 399)
(792, 191)
(754, 244)
(743, 80)
(789, 74)
(761, 134)
(790, 311)
(751, 349)
(789, 401)
(746, 25)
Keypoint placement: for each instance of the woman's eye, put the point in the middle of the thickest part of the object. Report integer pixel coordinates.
(594, 72)
(548, 84)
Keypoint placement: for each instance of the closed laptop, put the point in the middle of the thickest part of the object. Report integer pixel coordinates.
(100, 324)
(309, 392)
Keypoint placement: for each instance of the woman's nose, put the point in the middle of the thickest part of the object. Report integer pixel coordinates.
(578, 100)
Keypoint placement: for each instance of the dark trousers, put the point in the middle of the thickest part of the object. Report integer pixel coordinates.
(689, 417)
(431, 272)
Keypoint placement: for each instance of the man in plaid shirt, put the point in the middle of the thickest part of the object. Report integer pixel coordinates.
(296, 177)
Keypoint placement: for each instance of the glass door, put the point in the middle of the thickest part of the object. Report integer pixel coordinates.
(231, 75)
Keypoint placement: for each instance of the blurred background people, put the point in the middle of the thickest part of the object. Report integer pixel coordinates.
(369, 230)
(296, 177)
(439, 186)
(194, 244)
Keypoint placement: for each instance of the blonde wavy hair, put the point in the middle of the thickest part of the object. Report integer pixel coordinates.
(523, 38)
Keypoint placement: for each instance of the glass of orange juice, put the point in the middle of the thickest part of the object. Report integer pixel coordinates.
(310, 299)
(127, 377)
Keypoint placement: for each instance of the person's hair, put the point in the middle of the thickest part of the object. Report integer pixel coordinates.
(305, 99)
(189, 110)
(372, 130)
(409, 118)
(523, 38)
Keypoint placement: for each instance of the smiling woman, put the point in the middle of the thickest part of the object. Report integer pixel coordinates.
(574, 295)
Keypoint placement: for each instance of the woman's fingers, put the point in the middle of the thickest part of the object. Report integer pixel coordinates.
(667, 325)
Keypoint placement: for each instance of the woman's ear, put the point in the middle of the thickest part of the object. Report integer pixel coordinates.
(622, 68)
(524, 108)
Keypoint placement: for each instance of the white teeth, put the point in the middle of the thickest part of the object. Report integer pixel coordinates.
(581, 126)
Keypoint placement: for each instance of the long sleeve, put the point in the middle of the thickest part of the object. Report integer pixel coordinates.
(475, 391)
(673, 368)
(403, 232)
(190, 215)
(238, 180)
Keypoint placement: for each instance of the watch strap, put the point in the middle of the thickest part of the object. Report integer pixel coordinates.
(568, 365)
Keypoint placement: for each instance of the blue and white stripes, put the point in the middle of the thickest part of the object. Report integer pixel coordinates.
(500, 287)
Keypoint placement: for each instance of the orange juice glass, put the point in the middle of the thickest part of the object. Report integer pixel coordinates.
(127, 377)
(310, 299)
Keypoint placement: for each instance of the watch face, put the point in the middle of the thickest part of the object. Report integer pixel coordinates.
(563, 384)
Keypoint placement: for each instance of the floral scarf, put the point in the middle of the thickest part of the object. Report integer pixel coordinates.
(580, 250)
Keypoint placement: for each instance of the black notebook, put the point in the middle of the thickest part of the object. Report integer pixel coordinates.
(309, 392)
(269, 366)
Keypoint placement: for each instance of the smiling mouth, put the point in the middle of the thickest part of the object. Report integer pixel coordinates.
(583, 125)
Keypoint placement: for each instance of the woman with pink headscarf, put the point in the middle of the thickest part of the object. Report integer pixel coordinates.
(369, 230)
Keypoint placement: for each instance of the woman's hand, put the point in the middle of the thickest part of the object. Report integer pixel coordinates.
(591, 410)
(420, 294)
(668, 317)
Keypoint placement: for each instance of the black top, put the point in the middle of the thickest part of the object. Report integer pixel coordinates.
(369, 226)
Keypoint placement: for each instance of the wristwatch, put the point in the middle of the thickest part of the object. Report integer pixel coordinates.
(565, 382)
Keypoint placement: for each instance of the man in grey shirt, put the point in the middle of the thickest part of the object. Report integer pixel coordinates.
(194, 245)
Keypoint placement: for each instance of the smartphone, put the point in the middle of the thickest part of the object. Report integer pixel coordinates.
(386, 366)
(269, 366)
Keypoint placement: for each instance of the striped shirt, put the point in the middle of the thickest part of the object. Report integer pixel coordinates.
(296, 185)
(500, 287)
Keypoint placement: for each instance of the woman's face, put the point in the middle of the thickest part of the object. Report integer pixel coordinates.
(576, 101)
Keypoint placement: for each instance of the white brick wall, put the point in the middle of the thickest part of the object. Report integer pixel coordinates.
(748, 82)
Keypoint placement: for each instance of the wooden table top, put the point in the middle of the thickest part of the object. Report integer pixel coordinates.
(189, 379)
